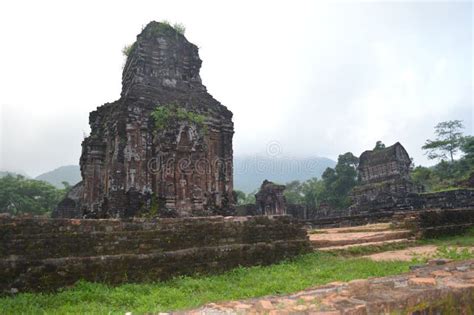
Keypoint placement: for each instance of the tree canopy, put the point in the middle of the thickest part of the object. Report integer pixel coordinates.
(19, 195)
(332, 189)
(449, 139)
(446, 174)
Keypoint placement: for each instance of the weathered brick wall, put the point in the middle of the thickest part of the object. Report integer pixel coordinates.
(450, 199)
(398, 207)
(434, 223)
(42, 254)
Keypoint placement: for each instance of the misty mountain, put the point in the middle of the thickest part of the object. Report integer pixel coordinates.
(250, 172)
(68, 173)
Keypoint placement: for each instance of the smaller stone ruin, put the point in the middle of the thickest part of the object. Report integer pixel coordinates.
(384, 174)
(270, 199)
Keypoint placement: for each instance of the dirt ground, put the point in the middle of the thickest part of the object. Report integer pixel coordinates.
(425, 251)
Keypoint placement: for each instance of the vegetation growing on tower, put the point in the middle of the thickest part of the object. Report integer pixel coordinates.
(163, 115)
(155, 29)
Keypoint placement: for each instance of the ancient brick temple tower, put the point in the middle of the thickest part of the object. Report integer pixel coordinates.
(165, 147)
(270, 199)
(384, 176)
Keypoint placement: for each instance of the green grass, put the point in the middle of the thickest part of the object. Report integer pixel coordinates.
(189, 292)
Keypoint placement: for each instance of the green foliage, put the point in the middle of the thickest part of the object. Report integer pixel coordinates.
(294, 192)
(455, 253)
(467, 147)
(448, 140)
(312, 190)
(446, 175)
(163, 115)
(19, 195)
(243, 198)
(304, 193)
(155, 29)
(338, 182)
(127, 49)
(239, 196)
(190, 292)
(180, 28)
(333, 189)
(153, 206)
(424, 176)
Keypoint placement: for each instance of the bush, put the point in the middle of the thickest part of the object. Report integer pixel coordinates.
(127, 49)
(180, 28)
(163, 115)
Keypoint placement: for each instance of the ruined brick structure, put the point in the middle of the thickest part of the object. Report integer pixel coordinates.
(177, 163)
(38, 254)
(383, 174)
(270, 199)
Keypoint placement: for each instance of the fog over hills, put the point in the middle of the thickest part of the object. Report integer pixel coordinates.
(249, 171)
(68, 173)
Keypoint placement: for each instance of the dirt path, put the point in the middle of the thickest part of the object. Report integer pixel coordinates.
(425, 251)
(407, 254)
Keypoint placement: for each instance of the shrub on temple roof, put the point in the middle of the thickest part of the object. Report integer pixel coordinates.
(162, 115)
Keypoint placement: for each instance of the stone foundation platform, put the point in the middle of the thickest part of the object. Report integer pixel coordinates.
(39, 254)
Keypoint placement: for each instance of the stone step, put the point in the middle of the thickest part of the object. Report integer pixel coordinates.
(341, 239)
(401, 241)
(377, 227)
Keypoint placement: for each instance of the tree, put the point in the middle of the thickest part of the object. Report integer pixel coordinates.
(423, 176)
(294, 192)
(379, 145)
(338, 182)
(448, 140)
(467, 147)
(20, 195)
(239, 197)
(312, 191)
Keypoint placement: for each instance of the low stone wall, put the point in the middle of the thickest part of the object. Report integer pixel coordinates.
(43, 254)
(399, 208)
(450, 199)
(439, 222)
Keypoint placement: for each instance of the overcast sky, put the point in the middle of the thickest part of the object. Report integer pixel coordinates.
(318, 79)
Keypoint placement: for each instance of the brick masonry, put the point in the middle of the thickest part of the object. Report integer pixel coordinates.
(436, 222)
(44, 254)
